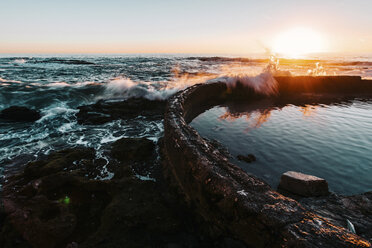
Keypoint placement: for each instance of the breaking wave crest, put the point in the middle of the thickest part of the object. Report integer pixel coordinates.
(263, 83)
(125, 87)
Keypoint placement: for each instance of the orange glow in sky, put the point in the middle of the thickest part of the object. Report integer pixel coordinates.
(293, 28)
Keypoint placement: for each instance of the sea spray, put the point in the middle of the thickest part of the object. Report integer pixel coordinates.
(263, 83)
(156, 90)
(126, 88)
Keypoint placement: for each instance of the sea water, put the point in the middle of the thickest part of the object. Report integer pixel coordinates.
(333, 141)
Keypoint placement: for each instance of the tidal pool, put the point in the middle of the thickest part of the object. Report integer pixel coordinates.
(332, 141)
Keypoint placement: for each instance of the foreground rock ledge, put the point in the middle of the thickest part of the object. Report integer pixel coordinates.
(228, 198)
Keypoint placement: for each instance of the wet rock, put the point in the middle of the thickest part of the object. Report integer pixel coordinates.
(356, 208)
(60, 202)
(128, 150)
(303, 184)
(53, 199)
(19, 113)
(248, 159)
(139, 153)
(221, 148)
(72, 245)
(105, 110)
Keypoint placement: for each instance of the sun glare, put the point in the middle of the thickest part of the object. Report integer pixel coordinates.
(297, 42)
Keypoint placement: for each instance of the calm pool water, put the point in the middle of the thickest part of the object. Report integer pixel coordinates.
(330, 141)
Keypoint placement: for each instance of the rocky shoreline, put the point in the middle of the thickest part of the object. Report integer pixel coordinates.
(61, 201)
(180, 191)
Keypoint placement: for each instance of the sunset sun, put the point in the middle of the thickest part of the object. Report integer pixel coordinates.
(297, 42)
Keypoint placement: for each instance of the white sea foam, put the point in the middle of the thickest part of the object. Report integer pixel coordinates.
(20, 61)
(66, 127)
(82, 141)
(58, 84)
(145, 178)
(127, 88)
(56, 110)
(263, 83)
(110, 138)
(65, 84)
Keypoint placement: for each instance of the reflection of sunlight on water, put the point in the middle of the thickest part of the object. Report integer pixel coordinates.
(262, 118)
(308, 110)
(334, 143)
(256, 118)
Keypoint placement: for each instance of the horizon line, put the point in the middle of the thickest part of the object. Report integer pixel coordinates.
(174, 53)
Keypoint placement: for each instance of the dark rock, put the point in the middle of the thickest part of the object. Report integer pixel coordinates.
(59, 202)
(105, 111)
(249, 158)
(357, 209)
(303, 184)
(139, 153)
(72, 245)
(346, 85)
(19, 113)
(221, 148)
(53, 200)
(128, 150)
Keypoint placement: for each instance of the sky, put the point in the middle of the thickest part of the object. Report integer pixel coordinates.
(179, 26)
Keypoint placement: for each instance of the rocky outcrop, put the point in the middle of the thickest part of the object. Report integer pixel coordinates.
(303, 184)
(228, 198)
(128, 150)
(20, 113)
(357, 209)
(107, 110)
(60, 201)
(248, 159)
(138, 151)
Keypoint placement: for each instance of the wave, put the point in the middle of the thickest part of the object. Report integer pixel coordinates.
(263, 83)
(350, 63)
(2, 80)
(125, 87)
(20, 61)
(65, 84)
(66, 61)
(226, 59)
(56, 110)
